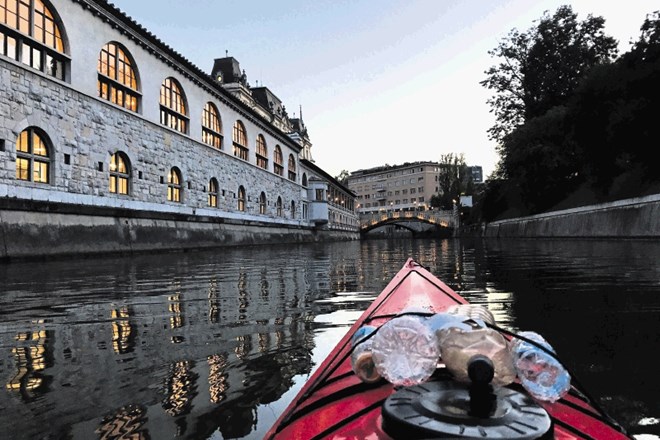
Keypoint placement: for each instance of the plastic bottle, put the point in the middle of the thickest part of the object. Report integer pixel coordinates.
(473, 311)
(462, 341)
(541, 374)
(361, 359)
(405, 350)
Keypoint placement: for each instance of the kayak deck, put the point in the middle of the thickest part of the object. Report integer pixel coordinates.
(335, 403)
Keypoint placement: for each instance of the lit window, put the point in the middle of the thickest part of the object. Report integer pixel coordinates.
(241, 198)
(213, 193)
(278, 166)
(262, 153)
(43, 49)
(119, 173)
(174, 185)
(292, 168)
(173, 106)
(211, 127)
(32, 158)
(279, 206)
(240, 141)
(117, 81)
(262, 203)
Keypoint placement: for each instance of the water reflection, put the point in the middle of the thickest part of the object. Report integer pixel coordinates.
(213, 345)
(123, 336)
(127, 423)
(31, 358)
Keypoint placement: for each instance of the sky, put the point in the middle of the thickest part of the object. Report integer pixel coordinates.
(378, 81)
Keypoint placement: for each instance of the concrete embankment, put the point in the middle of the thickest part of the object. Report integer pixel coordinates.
(630, 218)
(48, 230)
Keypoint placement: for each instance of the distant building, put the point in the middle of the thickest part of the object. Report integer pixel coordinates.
(407, 187)
(398, 187)
(477, 174)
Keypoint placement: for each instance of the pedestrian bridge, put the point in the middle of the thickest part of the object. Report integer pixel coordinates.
(439, 219)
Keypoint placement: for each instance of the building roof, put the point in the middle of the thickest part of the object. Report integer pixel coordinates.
(383, 168)
(334, 181)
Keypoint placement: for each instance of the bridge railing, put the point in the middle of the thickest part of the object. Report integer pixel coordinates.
(442, 218)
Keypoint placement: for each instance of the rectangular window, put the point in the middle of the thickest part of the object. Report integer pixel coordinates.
(36, 59)
(123, 185)
(22, 169)
(25, 55)
(40, 172)
(11, 48)
(24, 14)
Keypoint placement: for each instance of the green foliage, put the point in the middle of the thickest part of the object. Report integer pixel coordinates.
(452, 180)
(342, 177)
(541, 67)
(569, 119)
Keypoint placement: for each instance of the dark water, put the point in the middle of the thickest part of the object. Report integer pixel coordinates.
(213, 345)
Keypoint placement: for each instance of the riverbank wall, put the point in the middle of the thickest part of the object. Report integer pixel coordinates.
(42, 230)
(630, 218)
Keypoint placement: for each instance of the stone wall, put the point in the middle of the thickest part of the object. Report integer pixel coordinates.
(38, 230)
(631, 218)
(85, 132)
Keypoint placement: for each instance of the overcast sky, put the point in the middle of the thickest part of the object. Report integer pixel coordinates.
(379, 81)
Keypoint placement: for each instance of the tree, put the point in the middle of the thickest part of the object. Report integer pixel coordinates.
(541, 67)
(342, 177)
(615, 113)
(452, 180)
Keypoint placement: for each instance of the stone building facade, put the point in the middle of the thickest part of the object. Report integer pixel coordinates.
(96, 112)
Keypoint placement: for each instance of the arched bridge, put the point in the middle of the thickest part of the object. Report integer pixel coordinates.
(440, 219)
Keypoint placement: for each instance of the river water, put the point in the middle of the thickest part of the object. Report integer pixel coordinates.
(214, 344)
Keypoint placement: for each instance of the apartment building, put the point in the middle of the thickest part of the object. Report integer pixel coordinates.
(406, 187)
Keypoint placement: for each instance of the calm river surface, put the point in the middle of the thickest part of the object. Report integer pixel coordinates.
(214, 344)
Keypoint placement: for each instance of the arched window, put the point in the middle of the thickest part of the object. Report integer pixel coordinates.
(278, 166)
(262, 152)
(241, 198)
(174, 186)
(304, 179)
(211, 127)
(262, 203)
(279, 206)
(292, 168)
(213, 192)
(32, 156)
(240, 141)
(293, 209)
(173, 105)
(44, 48)
(120, 173)
(117, 80)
